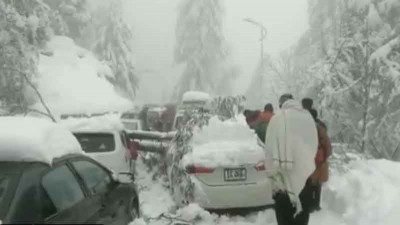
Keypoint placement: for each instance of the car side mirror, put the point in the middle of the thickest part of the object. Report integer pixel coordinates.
(124, 177)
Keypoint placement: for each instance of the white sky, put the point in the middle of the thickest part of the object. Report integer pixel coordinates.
(153, 24)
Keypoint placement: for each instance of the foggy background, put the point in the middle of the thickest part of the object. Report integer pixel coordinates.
(153, 23)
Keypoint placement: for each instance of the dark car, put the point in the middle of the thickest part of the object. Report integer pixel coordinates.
(75, 189)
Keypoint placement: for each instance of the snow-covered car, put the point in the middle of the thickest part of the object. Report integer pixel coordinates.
(223, 167)
(104, 139)
(46, 178)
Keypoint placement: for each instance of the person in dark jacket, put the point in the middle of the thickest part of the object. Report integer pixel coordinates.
(307, 103)
(251, 117)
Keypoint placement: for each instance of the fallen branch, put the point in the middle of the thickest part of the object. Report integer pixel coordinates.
(175, 220)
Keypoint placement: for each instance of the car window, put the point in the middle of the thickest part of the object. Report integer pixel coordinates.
(62, 188)
(96, 142)
(124, 138)
(129, 116)
(4, 185)
(95, 177)
(131, 125)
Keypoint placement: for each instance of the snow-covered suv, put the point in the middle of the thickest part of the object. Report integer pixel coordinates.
(104, 139)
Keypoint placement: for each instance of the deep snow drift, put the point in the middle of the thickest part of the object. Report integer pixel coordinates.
(72, 80)
(367, 193)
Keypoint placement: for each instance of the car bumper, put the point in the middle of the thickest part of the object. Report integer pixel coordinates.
(235, 196)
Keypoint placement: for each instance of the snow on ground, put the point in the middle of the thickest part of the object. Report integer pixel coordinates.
(34, 140)
(224, 143)
(72, 80)
(367, 193)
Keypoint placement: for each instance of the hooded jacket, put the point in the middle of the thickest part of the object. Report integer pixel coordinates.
(293, 140)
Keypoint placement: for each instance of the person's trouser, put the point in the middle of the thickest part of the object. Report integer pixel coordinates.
(285, 210)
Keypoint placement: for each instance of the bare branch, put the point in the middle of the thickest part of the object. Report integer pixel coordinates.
(23, 74)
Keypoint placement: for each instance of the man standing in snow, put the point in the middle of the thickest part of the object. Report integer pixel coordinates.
(292, 138)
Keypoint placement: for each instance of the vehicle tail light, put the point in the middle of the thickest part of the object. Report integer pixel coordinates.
(260, 166)
(191, 169)
(133, 148)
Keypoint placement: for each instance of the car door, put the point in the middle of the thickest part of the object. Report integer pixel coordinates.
(114, 197)
(63, 197)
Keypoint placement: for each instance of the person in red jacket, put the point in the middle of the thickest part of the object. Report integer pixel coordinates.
(267, 114)
(321, 173)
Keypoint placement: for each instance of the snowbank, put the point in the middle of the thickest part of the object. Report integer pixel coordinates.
(72, 80)
(196, 96)
(228, 143)
(34, 140)
(367, 194)
(109, 122)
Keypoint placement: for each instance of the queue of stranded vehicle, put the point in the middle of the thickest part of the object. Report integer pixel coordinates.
(301, 148)
(67, 177)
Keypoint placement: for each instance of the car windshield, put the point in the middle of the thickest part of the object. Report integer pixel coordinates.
(5, 192)
(96, 142)
(129, 116)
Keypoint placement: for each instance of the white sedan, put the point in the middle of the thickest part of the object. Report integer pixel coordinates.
(226, 168)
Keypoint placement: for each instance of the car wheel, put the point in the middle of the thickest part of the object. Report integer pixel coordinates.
(133, 210)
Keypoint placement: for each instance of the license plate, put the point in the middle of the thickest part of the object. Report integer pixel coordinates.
(238, 174)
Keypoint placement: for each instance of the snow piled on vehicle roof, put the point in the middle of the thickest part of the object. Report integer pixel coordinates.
(224, 143)
(72, 80)
(34, 140)
(109, 122)
(196, 96)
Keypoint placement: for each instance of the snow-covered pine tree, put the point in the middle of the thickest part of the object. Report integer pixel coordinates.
(69, 18)
(200, 45)
(356, 80)
(113, 45)
(24, 28)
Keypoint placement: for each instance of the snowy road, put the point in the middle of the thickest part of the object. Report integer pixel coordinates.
(155, 201)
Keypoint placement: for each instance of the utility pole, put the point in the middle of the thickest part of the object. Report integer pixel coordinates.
(263, 35)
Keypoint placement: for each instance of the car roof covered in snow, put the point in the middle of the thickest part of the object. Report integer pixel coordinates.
(196, 96)
(105, 123)
(28, 139)
(225, 143)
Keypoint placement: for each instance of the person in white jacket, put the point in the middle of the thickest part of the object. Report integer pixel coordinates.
(292, 137)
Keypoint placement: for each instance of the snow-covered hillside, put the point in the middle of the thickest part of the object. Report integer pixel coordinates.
(366, 193)
(72, 80)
